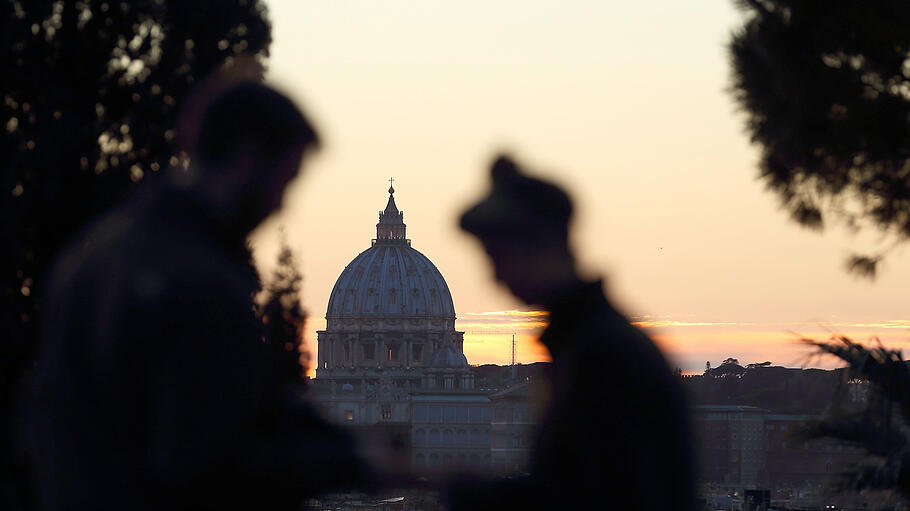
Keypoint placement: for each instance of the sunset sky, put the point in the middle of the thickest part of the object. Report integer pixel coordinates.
(625, 104)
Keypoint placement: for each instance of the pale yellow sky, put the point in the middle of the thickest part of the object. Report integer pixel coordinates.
(623, 103)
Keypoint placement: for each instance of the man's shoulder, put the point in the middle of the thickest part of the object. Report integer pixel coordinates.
(141, 256)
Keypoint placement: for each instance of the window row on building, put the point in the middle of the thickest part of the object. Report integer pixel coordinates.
(448, 460)
(455, 437)
(515, 414)
(452, 414)
(390, 351)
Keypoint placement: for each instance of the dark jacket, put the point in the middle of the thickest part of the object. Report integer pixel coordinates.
(152, 387)
(615, 433)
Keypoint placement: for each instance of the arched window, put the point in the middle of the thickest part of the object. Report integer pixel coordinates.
(420, 437)
(434, 460)
(434, 437)
(486, 437)
(461, 437)
(475, 437)
(448, 437)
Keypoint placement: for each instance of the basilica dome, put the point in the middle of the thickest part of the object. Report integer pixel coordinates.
(391, 278)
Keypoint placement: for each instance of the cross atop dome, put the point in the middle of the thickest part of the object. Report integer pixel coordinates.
(391, 227)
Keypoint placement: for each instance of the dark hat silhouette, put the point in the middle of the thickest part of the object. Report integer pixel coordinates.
(518, 208)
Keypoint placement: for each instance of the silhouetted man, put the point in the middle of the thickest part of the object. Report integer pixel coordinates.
(153, 388)
(614, 434)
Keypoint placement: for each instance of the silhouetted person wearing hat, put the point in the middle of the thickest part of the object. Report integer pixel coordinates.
(614, 434)
(153, 389)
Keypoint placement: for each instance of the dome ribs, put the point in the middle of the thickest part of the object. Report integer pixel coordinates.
(365, 287)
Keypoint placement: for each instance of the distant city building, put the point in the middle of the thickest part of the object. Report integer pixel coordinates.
(749, 448)
(732, 443)
(515, 418)
(391, 360)
(451, 430)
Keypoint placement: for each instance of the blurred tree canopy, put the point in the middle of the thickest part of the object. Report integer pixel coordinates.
(826, 88)
(90, 98)
(91, 92)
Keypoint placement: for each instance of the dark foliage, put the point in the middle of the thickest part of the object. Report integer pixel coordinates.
(880, 427)
(826, 88)
(729, 367)
(91, 92)
(283, 317)
(496, 377)
(774, 388)
(90, 99)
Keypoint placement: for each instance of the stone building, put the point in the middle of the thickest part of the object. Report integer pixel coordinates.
(750, 448)
(390, 330)
(451, 429)
(733, 447)
(513, 423)
(390, 360)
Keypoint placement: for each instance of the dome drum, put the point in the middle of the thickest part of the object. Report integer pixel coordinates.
(384, 350)
(372, 323)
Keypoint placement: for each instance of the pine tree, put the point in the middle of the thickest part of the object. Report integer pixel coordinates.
(283, 316)
(826, 90)
(879, 426)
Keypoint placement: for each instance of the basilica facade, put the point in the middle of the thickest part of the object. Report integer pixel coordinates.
(390, 354)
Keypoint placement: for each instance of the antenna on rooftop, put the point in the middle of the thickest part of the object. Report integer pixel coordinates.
(513, 367)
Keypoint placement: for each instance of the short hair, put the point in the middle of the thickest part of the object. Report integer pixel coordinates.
(255, 116)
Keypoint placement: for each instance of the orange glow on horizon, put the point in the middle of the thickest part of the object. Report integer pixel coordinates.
(688, 236)
(686, 344)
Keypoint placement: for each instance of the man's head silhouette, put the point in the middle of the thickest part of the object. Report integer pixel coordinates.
(249, 144)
